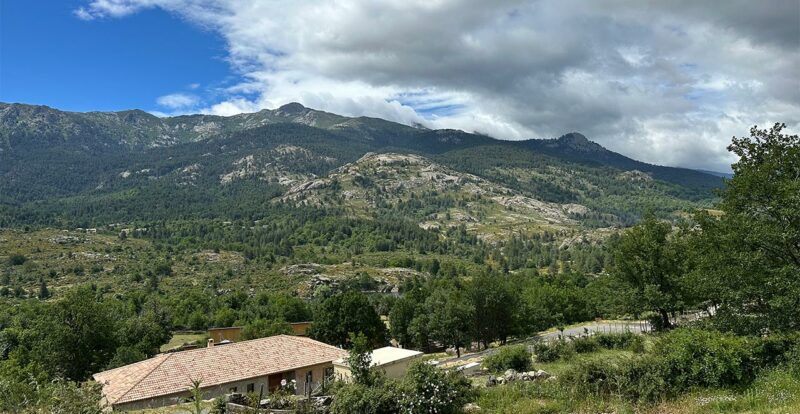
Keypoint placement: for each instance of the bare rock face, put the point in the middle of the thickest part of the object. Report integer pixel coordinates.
(279, 165)
(635, 175)
(483, 207)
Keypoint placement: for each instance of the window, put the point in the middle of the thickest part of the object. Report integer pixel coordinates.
(251, 387)
(232, 389)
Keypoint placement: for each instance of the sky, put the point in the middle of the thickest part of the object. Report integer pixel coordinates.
(666, 82)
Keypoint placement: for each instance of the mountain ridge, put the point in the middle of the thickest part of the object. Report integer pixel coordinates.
(49, 157)
(576, 144)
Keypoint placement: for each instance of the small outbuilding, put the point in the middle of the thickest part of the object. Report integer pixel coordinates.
(394, 362)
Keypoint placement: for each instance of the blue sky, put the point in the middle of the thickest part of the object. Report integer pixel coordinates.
(49, 56)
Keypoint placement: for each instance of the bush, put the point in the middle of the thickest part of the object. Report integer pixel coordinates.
(593, 377)
(705, 358)
(793, 362)
(17, 259)
(776, 349)
(627, 340)
(585, 345)
(553, 351)
(643, 379)
(434, 391)
(515, 357)
(380, 398)
(686, 358)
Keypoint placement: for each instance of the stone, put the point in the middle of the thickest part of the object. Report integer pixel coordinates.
(471, 408)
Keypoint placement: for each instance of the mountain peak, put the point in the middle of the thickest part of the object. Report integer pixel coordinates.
(574, 138)
(292, 108)
(578, 141)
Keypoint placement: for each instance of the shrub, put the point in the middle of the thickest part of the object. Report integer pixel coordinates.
(627, 340)
(553, 351)
(594, 377)
(642, 379)
(16, 259)
(379, 398)
(515, 357)
(705, 358)
(793, 362)
(776, 349)
(428, 389)
(585, 345)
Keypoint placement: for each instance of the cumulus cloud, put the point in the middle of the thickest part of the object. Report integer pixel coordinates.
(177, 100)
(665, 82)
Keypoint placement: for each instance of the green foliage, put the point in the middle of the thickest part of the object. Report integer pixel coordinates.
(625, 340)
(494, 301)
(344, 314)
(705, 358)
(125, 355)
(16, 260)
(682, 360)
(516, 357)
(553, 351)
(748, 257)
(356, 398)
(197, 396)
(75, 337)
(400, 318)
(360, 360)
(262, 328)
(651, 261)
(449, 314)
(585, 345)
(27, 389)
(427, 389)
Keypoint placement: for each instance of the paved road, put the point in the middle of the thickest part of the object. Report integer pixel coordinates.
(579, 330)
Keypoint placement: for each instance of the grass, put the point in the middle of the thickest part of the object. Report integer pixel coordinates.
(179, 339)
(175, 409)
(775, 391)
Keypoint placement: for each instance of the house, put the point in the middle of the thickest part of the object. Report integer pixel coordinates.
(300, 328)
(236, 367)
(394, 362)
(230, 334)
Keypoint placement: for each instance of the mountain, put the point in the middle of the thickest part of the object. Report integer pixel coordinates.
(99, 167)
(717, 173)
(576, 147)
(29, 124)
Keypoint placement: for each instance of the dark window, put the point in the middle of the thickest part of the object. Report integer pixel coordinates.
(251, 387)
(232, 389)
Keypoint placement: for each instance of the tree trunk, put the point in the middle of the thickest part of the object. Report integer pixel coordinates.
(458, 351)
(665, 319)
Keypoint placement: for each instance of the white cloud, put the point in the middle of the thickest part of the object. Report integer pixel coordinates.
(665, 82)
(178, 100)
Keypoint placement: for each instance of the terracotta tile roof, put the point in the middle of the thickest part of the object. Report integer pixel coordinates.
(167, 374)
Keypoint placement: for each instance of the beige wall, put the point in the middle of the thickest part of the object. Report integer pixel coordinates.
(233, 334)
(219, 390)
(392, 370)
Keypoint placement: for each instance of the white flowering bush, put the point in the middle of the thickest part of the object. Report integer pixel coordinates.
(429, 390)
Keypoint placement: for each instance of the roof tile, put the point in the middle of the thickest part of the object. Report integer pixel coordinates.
(172, 373)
